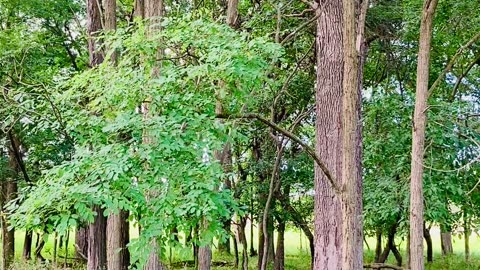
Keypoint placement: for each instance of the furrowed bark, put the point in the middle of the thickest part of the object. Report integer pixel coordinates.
(418, 137)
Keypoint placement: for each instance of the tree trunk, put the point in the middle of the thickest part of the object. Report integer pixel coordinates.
(446, 239)
(118, 257)
(9, 189)
(328, 217)
(338, 139)
(466, 235)
(243, 240)
(428, 240)
(94, 25)
(378, 247)
(81, 244)
(446, 242)
(232, 13)
(8, 193)
(418, 137)
(27, 245)
(279, 262)
(261, 242)
(235, 250)
(153, 10)
(97, 249)
(139, 9)
(252, 248)
(204, 258)
(352, 242)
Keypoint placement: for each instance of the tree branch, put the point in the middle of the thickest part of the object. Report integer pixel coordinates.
(308, 149)
(452, 62)
(465, 73)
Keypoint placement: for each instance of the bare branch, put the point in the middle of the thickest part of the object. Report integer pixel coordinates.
(452, 62)
(460, 78)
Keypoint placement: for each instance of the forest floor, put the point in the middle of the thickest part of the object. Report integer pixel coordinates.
(297, 255)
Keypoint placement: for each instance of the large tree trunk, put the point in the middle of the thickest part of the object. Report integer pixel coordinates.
(328, 217)
(118, 257)
(97, 255)
(418, 137)
(97, 248)
(340, 49)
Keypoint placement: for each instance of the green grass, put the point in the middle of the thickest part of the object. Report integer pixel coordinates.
(296, 248)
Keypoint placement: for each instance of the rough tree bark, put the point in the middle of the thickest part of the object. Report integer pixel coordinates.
(418, 136)
(352, 257)
(118, 257)
(97, 253)
(340, 49)
(328, 219)
(97, 248)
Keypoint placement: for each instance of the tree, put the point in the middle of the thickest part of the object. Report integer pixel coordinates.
(335, 249)
(97, 249)
(418, 136)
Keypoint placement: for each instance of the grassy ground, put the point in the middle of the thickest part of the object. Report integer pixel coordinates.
(297, 258)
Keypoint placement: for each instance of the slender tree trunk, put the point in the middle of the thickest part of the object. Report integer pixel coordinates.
(39, 248)
(235, 250)
(232, 13)
(378, 247)
(428, 240)
(418, 137)
(252, 248)
(261, 242)
(27, 245)
(9, 192)
(9, 188)
(279, 262)
(466, 235)
(243, 241)
(55, 246)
